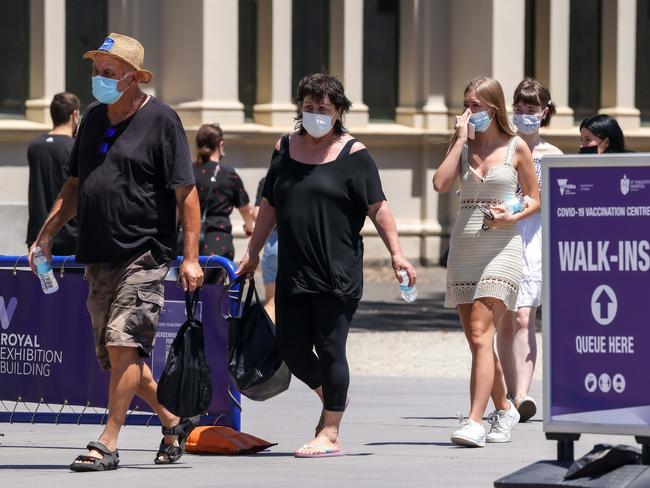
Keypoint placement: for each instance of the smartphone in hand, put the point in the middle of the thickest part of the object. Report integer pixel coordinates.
(471, 131)
(487, 212)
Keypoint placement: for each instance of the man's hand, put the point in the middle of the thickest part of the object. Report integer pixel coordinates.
(191, 275)
(46, 249)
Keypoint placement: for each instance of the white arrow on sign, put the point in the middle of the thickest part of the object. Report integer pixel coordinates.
(604, 304)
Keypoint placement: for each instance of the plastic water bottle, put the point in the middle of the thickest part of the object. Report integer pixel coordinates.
(513, 204)
(44, 271)
(409, 294)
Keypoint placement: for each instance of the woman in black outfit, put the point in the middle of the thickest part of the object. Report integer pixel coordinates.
(220, 190)
(319, 189)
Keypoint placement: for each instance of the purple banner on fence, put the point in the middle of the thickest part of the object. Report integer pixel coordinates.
(599, 242)
(47, 348)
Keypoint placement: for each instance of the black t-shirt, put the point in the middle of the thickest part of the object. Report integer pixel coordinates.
(260, 192)
(320, 210)
(227, 193)
(47, 155)
(127, 176)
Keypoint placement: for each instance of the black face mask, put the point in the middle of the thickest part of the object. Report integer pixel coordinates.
(589, 150)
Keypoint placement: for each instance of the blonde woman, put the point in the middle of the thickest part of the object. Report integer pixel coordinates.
(485, 259)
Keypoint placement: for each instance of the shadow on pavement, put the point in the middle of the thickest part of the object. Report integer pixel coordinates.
(423, 314)
(448, 444)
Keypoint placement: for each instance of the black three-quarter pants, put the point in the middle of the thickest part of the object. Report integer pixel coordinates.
(320, 322)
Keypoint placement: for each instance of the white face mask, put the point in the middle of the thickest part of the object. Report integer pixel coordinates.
(527, 123)
(317, 125)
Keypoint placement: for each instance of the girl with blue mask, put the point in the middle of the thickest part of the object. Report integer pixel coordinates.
(485, 254)
(516, 342)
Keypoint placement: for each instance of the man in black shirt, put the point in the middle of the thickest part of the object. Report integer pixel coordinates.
(47, 155)
(130, 169)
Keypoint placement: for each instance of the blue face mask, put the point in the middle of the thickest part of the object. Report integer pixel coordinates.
(105, 89)
(481, 121)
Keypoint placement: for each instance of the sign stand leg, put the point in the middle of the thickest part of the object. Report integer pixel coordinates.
(564, 444)
(645, 448)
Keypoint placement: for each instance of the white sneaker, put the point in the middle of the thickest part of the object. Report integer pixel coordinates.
(470, 434)
(502, 422)
(526, 407)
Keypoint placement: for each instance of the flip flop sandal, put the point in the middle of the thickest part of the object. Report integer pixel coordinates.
(182, 430)
(318, 452)
(85, 463)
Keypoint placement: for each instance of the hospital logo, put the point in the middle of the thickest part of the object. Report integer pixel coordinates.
(7, 311)
(625, 185)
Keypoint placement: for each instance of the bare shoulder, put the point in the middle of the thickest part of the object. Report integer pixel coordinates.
(522, 149)
(522, 154)
(278, 143)
(357, 146)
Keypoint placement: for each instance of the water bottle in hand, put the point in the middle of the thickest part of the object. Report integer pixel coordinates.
(513, 204)
(409, 294)
(44, 271)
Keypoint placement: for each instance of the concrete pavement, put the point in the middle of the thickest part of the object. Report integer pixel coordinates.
(396, 433)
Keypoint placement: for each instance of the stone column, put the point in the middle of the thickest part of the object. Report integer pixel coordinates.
(552, 56)
(411, 67)
(619, 62)
(346, 55)
(508, 44)
(201, 75)
(489, 42)
(46, 57)
(274, 90)
(435, 60)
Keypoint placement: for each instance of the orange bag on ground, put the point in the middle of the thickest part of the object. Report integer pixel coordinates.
(223, 440)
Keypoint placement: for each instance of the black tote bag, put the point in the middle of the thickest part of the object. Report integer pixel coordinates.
(254, 364)
(185, 387)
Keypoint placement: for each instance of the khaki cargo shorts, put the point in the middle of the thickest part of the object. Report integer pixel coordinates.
(124, 302)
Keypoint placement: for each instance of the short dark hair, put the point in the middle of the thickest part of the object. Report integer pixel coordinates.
(207, 140)
(533, 92)
(319, 86)
(605, 126)
(62, 107)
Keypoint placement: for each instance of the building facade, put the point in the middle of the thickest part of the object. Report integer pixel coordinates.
(404, 65)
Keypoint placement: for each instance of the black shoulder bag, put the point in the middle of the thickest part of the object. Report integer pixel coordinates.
(254, 364)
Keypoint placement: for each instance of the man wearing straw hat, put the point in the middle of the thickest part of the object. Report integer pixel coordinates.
(130, 169)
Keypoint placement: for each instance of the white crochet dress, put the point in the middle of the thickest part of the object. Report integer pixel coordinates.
(484, 263)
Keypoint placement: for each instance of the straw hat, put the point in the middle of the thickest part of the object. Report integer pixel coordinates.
(125, 48)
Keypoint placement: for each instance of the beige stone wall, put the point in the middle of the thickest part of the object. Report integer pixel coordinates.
(192, 48)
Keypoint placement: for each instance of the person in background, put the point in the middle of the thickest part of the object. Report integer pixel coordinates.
(220, 190)
(601, 134)
(269, 259)
(516, 344)
(320, 187)
(47, 155)
(127, 234)
(485, 255)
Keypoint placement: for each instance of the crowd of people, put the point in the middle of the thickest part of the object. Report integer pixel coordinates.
(114, 188)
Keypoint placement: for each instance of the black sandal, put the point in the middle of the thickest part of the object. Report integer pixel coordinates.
(107, 462)
(182, 430)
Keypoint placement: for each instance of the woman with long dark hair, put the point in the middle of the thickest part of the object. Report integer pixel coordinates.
(601, 134)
